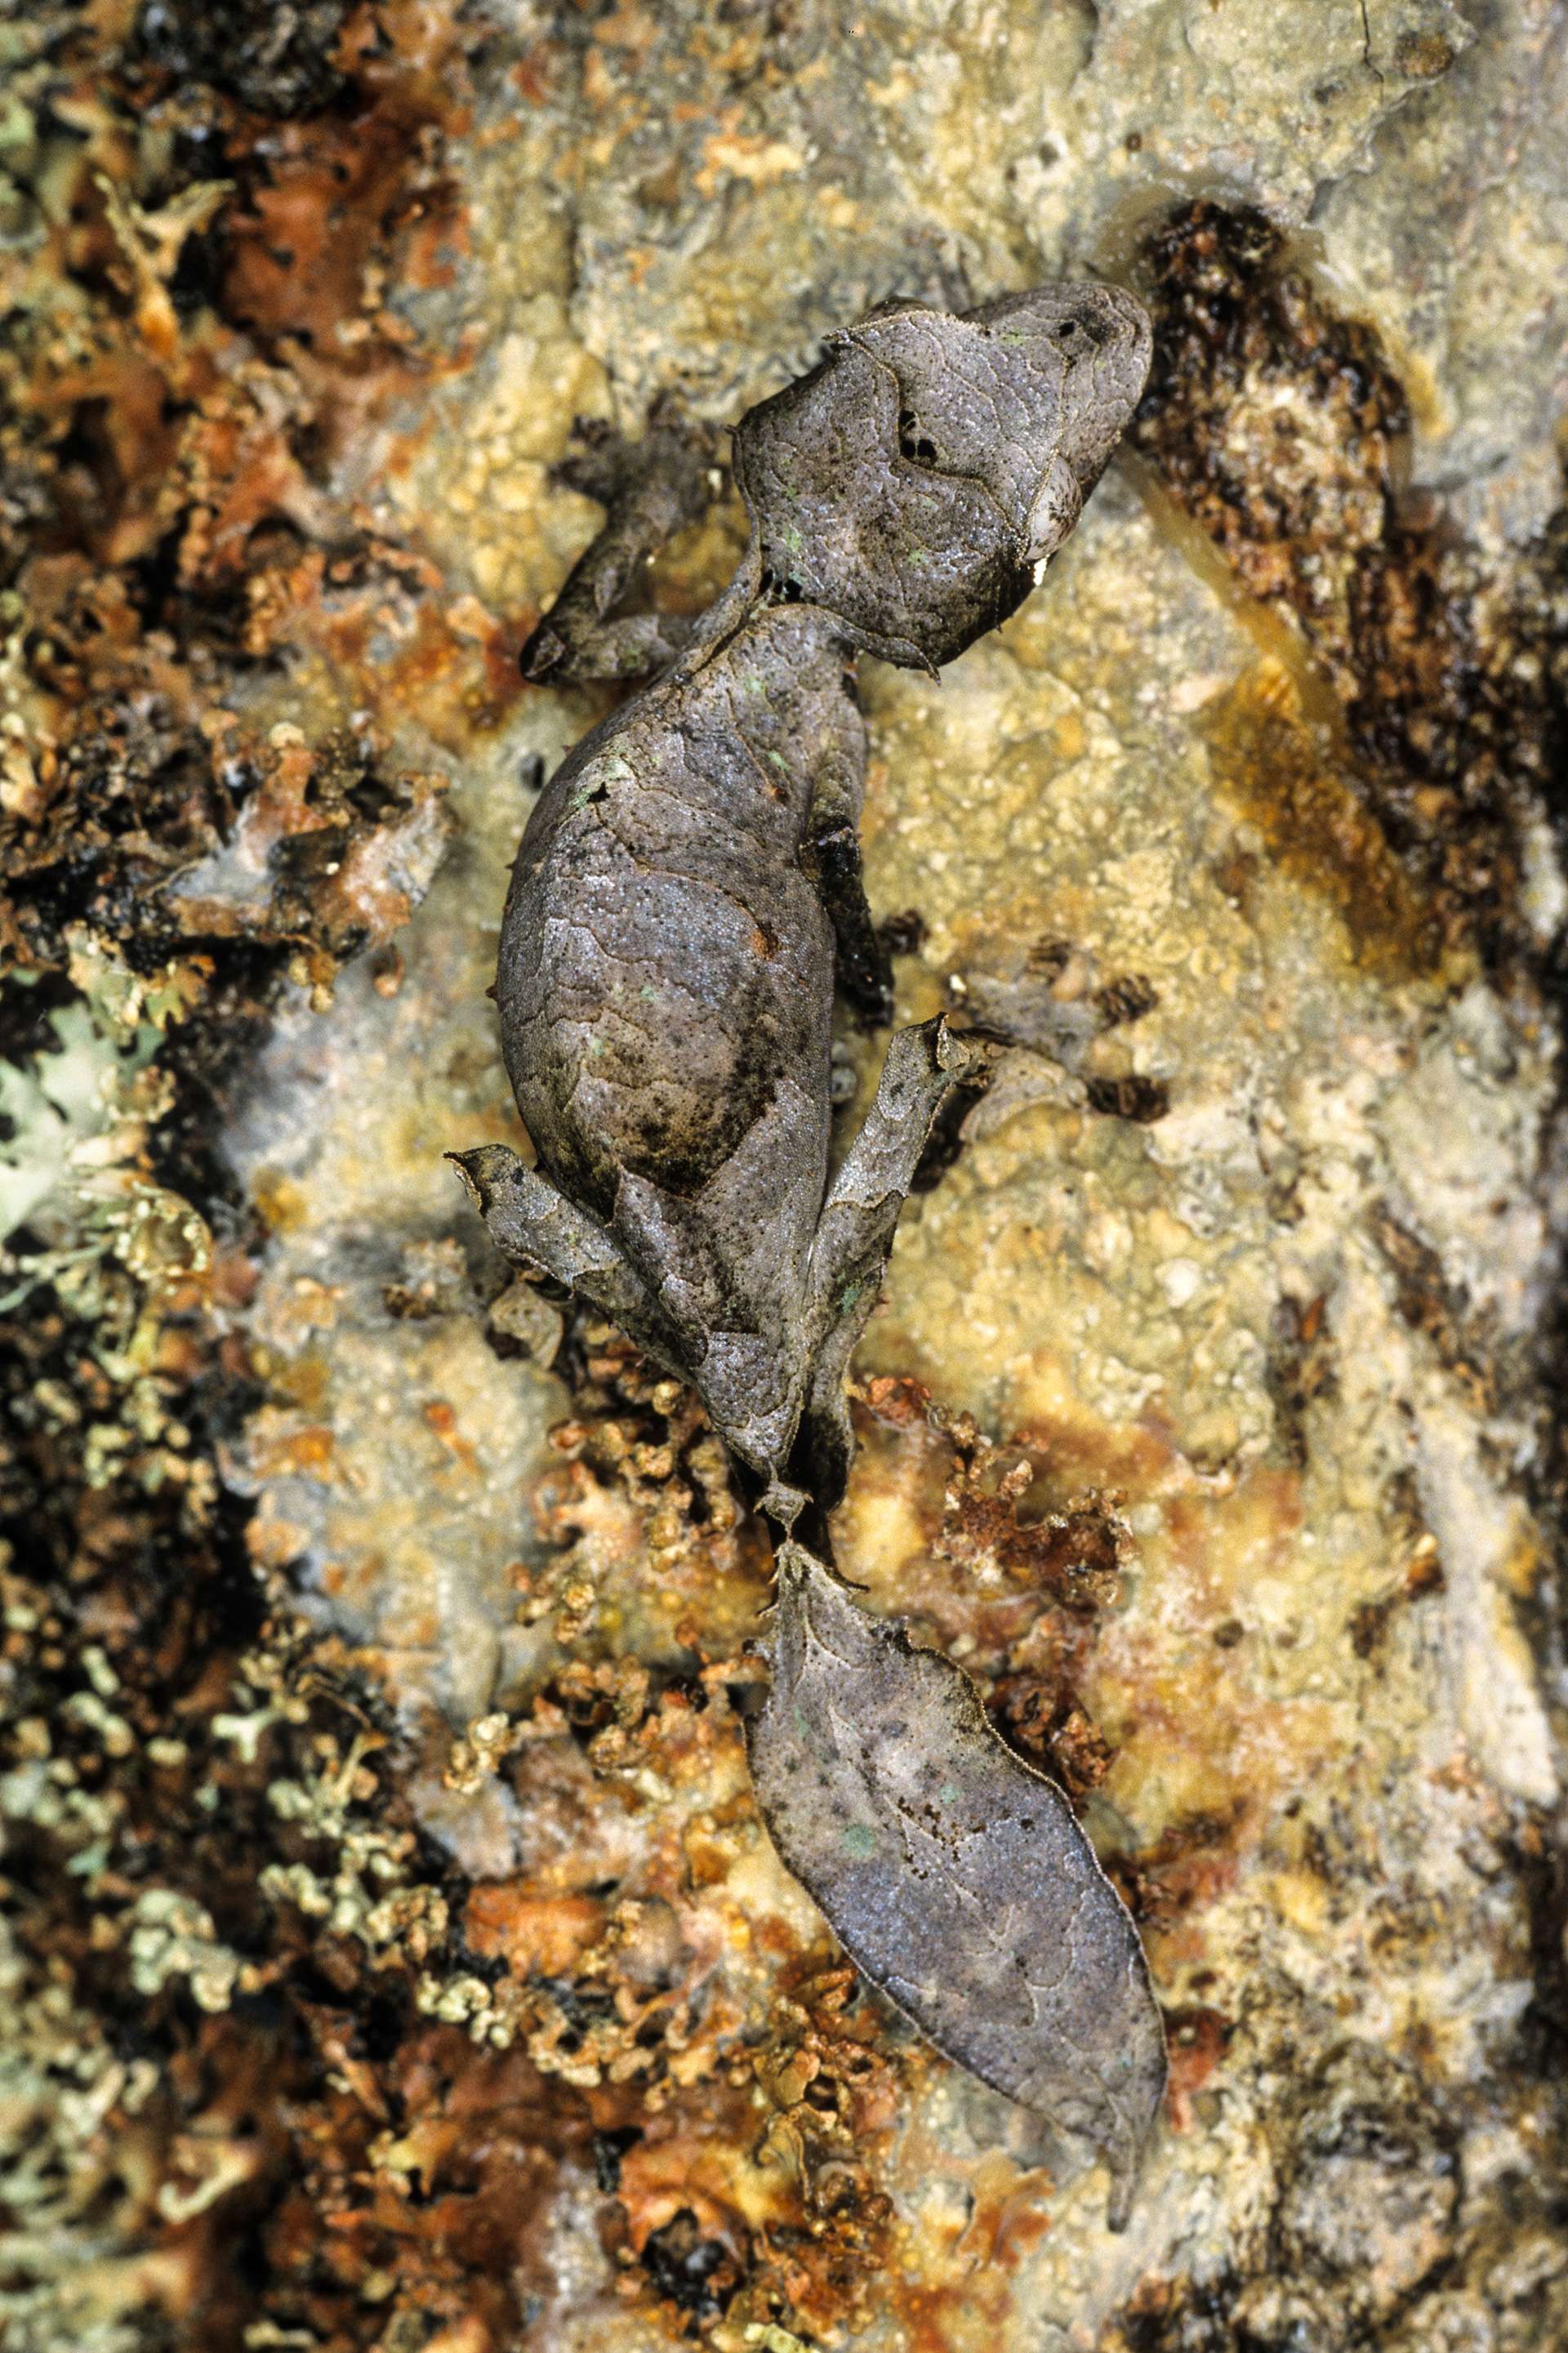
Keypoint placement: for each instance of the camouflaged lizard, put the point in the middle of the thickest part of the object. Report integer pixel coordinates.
(689, 886)
(687, 894)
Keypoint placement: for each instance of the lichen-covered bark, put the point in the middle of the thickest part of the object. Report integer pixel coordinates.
(393, 1953)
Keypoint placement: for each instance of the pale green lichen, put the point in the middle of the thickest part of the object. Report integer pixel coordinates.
(69, 2279)
(62, 1101)
(71, 1165)
(172, 1936)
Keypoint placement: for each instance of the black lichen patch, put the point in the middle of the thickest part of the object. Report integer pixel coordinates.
(1278, 425)
(698, 2275)
(1135, 1097)
(281, 62)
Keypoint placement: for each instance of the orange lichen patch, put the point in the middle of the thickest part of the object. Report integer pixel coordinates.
(239, 466)
(1012, 2213)
(668, 2173)
(408, 657)
(896, 1401)
(445, 2208)
(274, 1543)
(199, 434)
(938, 2316)
(340, 195)
(122, 394)
(441, 1418)
(282, 1445)
(729, 153)
(1197, 2039)
(743, 2081)
(643, 1478)
(153, 427)
(823, 2070)
(529, 73)
(300, 246)
(195, 448)
(305, 865)
(543, 1933)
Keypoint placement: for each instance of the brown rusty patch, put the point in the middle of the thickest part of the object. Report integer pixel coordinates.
(1197, 2039)
(1278, 425)
(1430, 1303)
(1192, 1864)
(1280, 767)
(1134, 1096)
(980, 1543)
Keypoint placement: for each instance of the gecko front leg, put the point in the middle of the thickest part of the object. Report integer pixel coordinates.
(651, 489)
(854, 1232)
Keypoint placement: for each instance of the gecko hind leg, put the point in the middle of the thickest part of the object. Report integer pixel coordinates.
(855, 1233)
(534, 1226)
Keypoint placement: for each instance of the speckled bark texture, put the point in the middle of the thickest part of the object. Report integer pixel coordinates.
(392, 1953)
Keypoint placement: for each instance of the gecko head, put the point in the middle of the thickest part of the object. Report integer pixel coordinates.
(918, 480)
(1067, 364)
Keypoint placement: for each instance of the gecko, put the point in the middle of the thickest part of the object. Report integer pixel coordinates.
(686, 900)
(689, 889)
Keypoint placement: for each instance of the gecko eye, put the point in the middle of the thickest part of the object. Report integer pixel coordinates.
(918, 447)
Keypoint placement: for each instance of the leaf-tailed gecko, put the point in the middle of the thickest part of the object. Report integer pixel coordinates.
(687, 889)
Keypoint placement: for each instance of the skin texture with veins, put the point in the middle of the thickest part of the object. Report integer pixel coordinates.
(953, 1873)
(687, 893)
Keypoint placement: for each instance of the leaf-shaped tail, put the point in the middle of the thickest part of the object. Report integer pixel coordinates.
(954, 1874)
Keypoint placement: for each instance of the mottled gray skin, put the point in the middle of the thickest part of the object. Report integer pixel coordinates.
(952, 1873)
(689, 883)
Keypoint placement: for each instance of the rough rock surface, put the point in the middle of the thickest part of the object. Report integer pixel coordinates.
(395, 1956)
